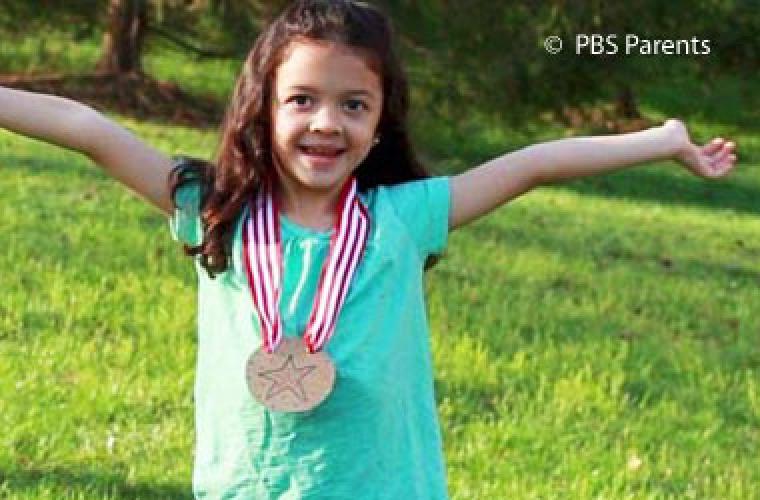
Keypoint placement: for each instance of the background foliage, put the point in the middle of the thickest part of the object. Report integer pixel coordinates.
(467, 49)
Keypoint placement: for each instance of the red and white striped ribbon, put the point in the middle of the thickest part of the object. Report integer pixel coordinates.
(263, 263)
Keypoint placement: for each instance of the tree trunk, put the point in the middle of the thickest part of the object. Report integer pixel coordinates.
(123, 42)
(626, 103)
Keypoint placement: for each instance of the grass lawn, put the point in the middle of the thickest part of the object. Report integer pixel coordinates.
(596, 339)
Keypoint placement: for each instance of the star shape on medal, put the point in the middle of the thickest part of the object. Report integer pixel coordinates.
(287, 378)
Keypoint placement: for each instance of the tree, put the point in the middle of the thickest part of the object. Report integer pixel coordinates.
(205, 28)
(124, 38)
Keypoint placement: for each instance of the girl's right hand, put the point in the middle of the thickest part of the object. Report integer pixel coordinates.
(73, 125)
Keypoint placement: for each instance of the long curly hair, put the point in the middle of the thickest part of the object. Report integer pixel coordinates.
(244, 158)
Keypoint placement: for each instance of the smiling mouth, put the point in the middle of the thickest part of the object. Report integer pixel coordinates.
(321, 152)
(321, 158)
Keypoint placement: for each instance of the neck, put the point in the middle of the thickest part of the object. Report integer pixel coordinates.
(311, 208)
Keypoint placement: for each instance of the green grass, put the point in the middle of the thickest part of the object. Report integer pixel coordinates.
(97, 385)
(567, 347)
(597, 339)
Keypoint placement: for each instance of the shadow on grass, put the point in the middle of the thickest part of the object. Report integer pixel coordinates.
(64, 481)
(652, 185)
(606, 253)
(51, 165)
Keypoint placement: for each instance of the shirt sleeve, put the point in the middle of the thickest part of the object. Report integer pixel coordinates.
(423, 206)
(185, 223)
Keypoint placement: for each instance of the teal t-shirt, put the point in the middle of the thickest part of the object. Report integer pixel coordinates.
(376, 436)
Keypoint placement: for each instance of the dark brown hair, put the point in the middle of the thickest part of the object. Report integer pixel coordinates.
(244, 157)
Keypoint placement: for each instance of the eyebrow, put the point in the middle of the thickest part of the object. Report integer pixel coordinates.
(306, 88)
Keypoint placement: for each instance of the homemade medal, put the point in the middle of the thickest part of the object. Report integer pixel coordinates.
(291, 378)
(292, 374)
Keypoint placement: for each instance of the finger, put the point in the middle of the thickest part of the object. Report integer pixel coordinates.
(713, 145)
(725, 148)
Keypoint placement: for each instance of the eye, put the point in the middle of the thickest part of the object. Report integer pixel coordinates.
(300, 100)
(356, 105)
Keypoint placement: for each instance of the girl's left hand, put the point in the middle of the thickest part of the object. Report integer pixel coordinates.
(714, 159)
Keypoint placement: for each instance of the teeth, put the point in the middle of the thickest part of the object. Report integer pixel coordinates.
(321, 151)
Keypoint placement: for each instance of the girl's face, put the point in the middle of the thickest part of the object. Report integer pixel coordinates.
(327, 104)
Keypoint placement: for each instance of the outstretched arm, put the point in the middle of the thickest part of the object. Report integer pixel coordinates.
(486, 187)
(73, 125)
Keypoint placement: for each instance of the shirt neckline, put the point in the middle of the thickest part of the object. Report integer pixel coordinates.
(288, 225)
(304, 231)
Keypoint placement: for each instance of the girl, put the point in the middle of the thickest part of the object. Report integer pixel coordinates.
(310, 235)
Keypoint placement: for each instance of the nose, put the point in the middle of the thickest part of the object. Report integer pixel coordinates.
(326, 120)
